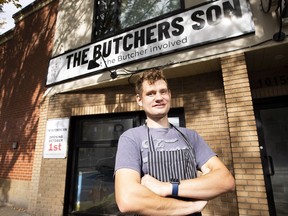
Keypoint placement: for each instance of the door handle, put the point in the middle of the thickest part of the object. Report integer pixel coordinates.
(270, 164)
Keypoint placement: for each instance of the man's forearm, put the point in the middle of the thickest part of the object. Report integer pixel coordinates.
(217, 180)
(145, 202)
(165, 206)
(207, 186)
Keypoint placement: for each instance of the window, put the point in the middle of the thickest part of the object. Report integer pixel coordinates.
(113, 16)
(94, 150)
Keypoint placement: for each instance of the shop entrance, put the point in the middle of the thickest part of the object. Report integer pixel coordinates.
(91, 158)
(272, 124)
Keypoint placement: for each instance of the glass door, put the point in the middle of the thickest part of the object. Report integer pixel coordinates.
(272, 123)
(94, 186)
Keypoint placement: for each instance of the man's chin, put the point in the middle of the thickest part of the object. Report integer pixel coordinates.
(159, 115)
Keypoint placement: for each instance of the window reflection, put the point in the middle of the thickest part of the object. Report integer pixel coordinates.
(104, 130)
(112, 16)
(94, 188)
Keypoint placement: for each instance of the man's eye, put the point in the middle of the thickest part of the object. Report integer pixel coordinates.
(151, 94)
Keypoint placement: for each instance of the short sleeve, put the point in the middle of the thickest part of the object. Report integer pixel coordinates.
(128, 153)
(203, 152)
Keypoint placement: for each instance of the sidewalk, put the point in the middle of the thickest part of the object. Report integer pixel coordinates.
(12, 211)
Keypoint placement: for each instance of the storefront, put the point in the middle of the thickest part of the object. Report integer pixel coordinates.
(226, 63)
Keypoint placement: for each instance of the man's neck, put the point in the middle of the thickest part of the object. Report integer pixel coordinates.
(158, 123)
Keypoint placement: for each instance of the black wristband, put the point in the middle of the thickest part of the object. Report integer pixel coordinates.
(175, 186)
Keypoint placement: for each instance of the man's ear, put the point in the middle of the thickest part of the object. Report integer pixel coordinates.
(139, 100)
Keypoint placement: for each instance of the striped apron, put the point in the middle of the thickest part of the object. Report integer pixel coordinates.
(164, 165)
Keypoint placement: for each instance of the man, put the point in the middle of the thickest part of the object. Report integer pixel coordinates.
(156, 164)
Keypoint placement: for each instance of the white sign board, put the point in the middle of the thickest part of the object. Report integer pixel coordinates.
(56, 138)
(214, 21)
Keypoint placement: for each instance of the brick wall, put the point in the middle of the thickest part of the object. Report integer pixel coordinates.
(25, 53)
(205, 111)
(24, 63)
(250, 187)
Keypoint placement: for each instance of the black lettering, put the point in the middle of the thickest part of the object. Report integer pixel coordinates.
(150, 34)
(77, 59)
(163, 31)
(229, 9)
(126, 46)
(97, 52)
(139, 37)
(69, 57)
(117, 44)
(179, 28)
(84, 56)
(200, 23)
(107, 46)
(213, 14)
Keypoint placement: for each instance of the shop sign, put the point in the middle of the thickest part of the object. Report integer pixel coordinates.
(214, 21)
(56, 138)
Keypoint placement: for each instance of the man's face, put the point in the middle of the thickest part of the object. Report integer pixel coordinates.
(155, 99)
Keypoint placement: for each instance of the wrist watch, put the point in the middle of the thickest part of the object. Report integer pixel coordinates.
(175, 185)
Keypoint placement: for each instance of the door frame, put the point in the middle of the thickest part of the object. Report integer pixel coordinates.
(261, 104)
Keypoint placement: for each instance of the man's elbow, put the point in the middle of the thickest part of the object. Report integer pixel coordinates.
(230, 183)
(123, 208)
(124, 205)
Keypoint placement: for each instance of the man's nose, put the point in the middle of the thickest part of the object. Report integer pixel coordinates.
(158, 96)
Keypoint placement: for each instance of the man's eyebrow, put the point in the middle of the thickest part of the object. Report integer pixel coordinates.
(164, 89)
(150, 91)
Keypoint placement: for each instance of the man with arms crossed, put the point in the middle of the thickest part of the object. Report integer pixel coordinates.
(156, 163)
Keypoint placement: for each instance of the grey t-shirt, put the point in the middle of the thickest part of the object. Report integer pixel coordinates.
(133, 146)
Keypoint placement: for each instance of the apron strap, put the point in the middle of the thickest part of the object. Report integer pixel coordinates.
(150, 140)
(183, 136)
(189, 144)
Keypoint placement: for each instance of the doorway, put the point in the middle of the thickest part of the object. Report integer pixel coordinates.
(272, 126)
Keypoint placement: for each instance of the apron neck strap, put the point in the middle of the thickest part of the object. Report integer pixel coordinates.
(182, 135)
(150, 140)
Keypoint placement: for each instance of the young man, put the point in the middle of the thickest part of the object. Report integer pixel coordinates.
(156, 164)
